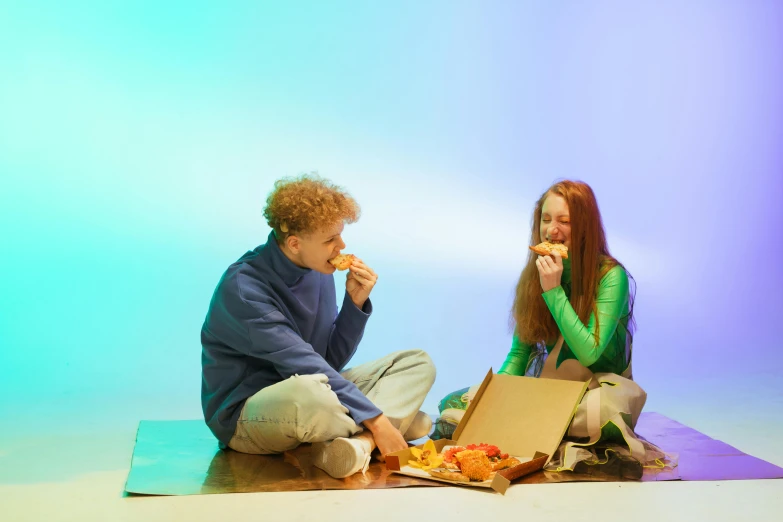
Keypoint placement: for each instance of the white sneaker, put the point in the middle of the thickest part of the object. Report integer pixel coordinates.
(420, 427)
(341, 457)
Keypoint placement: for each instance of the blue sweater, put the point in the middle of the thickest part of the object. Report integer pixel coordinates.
(268, 320)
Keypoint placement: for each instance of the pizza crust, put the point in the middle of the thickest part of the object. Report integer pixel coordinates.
(448, 475)
(343, 261)
(546, 249)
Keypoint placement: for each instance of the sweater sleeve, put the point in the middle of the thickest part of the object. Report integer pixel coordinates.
(611, 303)
(517, 358)
(347, 332)
(273, 339)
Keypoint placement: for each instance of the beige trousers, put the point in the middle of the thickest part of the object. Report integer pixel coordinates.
(304, 408)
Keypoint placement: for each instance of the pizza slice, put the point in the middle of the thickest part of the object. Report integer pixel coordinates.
(343, 261)
(546, 249)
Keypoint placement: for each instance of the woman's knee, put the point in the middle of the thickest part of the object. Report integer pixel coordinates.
(573, 370)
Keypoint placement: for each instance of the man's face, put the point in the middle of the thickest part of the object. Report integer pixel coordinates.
(314, 250)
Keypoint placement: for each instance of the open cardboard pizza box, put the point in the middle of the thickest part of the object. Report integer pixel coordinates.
(525, 417)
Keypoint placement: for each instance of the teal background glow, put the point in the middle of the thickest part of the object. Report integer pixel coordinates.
(138, 142)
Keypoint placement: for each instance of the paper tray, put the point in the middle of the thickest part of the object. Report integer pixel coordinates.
(499, 482)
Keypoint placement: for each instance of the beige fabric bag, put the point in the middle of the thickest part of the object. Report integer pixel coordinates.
(612, 399)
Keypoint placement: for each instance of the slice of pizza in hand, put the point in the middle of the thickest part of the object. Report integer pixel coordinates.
(343, 261)
(546, 249)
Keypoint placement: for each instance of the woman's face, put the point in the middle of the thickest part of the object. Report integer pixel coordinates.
(555, 221)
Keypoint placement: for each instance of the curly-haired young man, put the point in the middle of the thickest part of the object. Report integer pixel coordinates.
(275, 347)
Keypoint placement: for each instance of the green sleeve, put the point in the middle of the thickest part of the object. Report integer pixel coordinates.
(516, 360)
(611, 304)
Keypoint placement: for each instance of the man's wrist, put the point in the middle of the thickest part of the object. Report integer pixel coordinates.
(375, 423)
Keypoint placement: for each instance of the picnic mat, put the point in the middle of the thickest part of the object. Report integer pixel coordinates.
(183, 458)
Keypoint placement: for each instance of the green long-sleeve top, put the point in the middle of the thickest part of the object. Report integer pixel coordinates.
(606, 354)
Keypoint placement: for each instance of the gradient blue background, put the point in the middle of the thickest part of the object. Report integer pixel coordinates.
(139, 141)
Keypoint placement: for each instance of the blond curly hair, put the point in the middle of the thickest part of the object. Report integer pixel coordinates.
(307, 203)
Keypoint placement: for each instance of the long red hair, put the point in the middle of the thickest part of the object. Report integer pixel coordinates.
(590, 261)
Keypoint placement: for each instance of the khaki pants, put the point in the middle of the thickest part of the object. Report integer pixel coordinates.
(304, 408)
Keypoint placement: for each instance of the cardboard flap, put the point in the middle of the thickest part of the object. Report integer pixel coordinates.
(520, 415)
(472, 406)
(393, 462)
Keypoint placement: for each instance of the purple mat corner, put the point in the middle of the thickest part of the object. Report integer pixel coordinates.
(702, 457)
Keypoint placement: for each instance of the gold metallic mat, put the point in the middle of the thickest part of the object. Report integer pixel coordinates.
(182, 458)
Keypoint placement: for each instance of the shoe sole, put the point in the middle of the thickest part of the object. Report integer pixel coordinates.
(338, 458)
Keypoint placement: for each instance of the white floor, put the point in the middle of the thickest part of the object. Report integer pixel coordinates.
(73, 467)
(97, 496)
